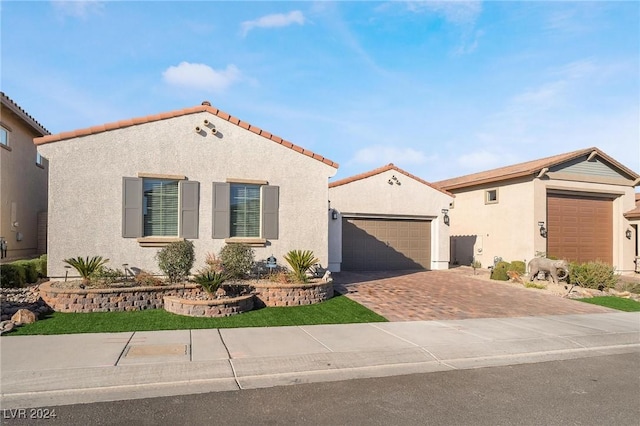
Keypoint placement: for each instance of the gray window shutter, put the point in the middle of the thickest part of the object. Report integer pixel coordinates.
(189, 201)
(221, 210)
(131, 207)
(270, 204)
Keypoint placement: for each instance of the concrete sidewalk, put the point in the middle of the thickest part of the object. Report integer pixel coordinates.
(41, 371)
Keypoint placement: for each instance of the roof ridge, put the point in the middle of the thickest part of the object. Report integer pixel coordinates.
(204, 107)
(383, 169)
(24, 112)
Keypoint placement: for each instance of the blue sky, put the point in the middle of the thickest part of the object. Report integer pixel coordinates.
(440, 89)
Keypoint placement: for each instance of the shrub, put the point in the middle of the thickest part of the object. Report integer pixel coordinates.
(535, 285)
(595, 275)
(145, 279)
(42, 267)
(86, 267)
(210, 280)
(12, 276)
(30, 269)
(518, 266)
(237, 260)
(300, 261)
(476, 264)
(213, 263)
(499, 271)
(108, 276)
(176, 260)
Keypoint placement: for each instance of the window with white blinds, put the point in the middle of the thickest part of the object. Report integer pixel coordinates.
(160, 207)
(245, 210)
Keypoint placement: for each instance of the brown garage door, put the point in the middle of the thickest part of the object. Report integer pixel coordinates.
(580, 228)
(385, 244)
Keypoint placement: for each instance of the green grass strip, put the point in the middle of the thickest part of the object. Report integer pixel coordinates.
(627, 305)
(338, 310)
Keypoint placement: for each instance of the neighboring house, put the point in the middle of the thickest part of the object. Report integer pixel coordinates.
(123, 190)
(633, 216)
(23, 187)
(388, 219)
(570, 206)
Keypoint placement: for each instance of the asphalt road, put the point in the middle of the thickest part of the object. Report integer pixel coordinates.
(588, 391)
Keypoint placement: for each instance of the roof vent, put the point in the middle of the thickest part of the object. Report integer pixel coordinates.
(206, 103)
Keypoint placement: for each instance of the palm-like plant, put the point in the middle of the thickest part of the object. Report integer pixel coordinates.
(300, 261)
(86, 267)
(210, 280)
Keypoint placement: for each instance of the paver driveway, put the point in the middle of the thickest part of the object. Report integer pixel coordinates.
(441, 295)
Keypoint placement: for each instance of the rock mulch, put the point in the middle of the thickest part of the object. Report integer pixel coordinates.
(17, 304)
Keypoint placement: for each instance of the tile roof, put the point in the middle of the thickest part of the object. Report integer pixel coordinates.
(205, 107)
(24, 115)
(383, 169)
(634, 213)
(529, 168)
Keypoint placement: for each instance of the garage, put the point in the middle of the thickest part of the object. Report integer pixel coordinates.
(373, 244)
(580, 227)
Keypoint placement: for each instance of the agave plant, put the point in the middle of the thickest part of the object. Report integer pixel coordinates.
(210, 280)
(300, 261)
(86, 267)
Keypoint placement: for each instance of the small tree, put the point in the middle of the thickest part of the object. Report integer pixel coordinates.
(176, 260)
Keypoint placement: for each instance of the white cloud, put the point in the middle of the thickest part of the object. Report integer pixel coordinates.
(201, 76)
(380, 155)
(78, 9)
(276, 20)
(456, 12)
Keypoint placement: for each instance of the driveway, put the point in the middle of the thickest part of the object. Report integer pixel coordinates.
(450, 294)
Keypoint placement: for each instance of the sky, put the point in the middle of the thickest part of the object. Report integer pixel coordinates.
(439, 88)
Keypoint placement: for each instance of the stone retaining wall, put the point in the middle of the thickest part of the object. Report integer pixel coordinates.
(209, 308)
(108, 299)
(274, 294)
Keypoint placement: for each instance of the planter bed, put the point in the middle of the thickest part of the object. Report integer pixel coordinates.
(222, 307)
(108, 299)
(275, 294)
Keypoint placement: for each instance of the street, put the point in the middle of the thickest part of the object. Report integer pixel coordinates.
(601, 390)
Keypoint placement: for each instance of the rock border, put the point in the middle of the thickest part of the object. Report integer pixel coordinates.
(275, 294)
(210, 308)
(109, 299)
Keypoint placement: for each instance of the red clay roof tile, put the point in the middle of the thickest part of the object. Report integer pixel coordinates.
(165, 115)
(383, 169)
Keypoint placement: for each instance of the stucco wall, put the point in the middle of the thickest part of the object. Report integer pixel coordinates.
(23, 184)
(504, 229)
(375, 196)
(85, 207)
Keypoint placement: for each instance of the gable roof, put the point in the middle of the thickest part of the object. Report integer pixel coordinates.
(10, 104)
(529, 168)
(204, 107)
(634, 213)
(383, 169)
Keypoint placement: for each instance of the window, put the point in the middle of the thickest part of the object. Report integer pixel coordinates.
(245, 211)
(4, 136)
(39, 159)
(491, 196)
(160, 206)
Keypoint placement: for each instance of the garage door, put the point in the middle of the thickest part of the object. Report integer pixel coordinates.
(580, 228)
(385, 244)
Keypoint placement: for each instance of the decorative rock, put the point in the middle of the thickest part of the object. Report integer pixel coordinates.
(24, 316)
(6, 326)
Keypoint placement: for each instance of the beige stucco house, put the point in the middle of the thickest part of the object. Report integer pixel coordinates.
(574, 205)
(388, 219)
(23, 182)
(123, 190)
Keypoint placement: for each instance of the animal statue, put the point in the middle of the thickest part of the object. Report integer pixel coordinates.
(550, 266)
